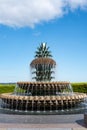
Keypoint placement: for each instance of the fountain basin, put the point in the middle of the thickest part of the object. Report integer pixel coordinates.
(41, 103)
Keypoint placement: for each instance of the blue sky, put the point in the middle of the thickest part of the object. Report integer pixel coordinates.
(64, 29)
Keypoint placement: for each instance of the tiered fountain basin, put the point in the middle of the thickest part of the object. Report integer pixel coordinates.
(42, 102)
(42, 97)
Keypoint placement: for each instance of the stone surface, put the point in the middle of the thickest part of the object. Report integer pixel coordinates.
(3, 129)
(79, 128)
(41, 126)
(37, 129)
(27, 128)
(23, 129)
(43, 129)
(41, 119)
(42, 122)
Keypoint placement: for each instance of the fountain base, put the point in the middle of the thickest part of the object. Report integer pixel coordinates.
(64, 104)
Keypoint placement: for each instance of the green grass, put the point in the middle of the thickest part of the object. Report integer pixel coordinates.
(7, 88)
(77, 87)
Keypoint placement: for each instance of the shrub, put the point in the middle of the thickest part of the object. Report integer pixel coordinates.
(79, 87)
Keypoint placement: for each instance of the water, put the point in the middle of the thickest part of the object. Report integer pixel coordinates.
(80, 108)
(43, 98)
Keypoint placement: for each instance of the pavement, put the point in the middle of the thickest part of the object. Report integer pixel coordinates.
(42, 122)
(41, 128)
(44, 129)
(41, 119)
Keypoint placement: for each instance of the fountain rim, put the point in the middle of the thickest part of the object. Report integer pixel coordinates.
(44, 82)
(75, 96)
(42, 60)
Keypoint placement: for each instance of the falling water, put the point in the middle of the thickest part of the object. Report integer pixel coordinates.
(55, 97)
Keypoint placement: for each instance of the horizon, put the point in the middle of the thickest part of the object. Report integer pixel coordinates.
(61, 24)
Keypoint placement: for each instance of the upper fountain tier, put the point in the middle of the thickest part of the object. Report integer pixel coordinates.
(43, 61)
(43, 88)
(43, 69)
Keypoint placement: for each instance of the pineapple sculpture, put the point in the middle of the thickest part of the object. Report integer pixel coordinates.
(43, 65)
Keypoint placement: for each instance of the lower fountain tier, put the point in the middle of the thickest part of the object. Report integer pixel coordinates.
(41, 102)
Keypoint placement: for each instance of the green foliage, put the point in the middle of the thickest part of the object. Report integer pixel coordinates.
(79, 87)
(43, 51)
(7, 88)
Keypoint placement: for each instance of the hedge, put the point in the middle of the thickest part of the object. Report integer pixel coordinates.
(79, 87)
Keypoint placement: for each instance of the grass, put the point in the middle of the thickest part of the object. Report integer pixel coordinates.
(77, 87)
(7, 88)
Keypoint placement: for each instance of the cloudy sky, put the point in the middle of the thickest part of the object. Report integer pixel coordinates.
(24, 24)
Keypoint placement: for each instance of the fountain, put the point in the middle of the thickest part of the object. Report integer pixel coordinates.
(43, 96)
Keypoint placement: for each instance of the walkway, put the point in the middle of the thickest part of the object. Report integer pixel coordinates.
(42, 122)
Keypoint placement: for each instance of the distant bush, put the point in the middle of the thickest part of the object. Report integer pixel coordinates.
(79, 87)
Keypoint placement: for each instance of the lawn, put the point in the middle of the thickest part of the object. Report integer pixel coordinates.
(6, 88)
(77, 87)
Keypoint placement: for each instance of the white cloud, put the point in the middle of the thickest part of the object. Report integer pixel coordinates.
(22, 13)
(74, 4)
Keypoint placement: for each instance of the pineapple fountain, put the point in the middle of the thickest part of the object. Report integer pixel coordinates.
(43, 96)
